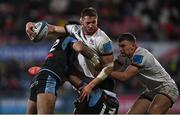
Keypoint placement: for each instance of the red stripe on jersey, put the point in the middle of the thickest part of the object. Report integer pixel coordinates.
(50, 55)
(32, 71)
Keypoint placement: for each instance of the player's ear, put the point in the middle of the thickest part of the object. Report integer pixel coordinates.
(134, 45)
(81, 20)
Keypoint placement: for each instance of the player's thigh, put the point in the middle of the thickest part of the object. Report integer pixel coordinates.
(160, 104)
(140, 106)
(31, 107)
(46, 103)
(31, 103)
(46, 90)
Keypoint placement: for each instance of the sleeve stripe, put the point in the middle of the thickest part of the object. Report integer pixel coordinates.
(138, 66)
(106, 54)
(66, 29)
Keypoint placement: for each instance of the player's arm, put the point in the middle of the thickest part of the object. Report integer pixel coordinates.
(52, 29)
(108, 64)
(137, 62)
(105, 48)
(80, 47)
(76, 81)
(109, 70)
(56, 29)
(105, 72)
(127, 74)
(106, 58)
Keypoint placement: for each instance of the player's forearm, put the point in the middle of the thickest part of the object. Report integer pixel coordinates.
(75, 81)
(80, 47)
(106, 71)
(56, 29)
(130, 72)
(94, 82)
(102, 75)
(119, 75)
(89, 54)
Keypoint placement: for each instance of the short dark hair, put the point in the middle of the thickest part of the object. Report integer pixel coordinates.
(90, 11)
(127, 36)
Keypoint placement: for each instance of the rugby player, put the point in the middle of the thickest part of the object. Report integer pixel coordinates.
(61, 65)
(161, 90)
(94, 38)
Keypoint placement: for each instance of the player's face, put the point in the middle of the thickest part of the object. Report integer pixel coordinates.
(126, 48)
(89, 24)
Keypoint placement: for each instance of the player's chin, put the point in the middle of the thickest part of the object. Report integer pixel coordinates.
(91, 31)
(123, 55)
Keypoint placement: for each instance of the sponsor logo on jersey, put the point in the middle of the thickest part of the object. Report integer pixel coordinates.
(91, 42)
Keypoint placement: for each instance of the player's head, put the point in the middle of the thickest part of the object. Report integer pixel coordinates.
(88, 20)
(127, 44)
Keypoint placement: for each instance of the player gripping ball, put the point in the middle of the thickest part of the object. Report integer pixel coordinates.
(41, 30)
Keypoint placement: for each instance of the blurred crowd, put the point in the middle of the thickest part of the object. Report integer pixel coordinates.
(149, 20)
(156, 20)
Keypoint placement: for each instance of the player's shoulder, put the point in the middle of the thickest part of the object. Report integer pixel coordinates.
(101, 36)
(141, 55)
(141, 51)
(76, 26)
(138, 56)
(73, 27)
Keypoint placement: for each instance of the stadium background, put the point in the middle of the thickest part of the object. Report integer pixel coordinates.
(156, 24)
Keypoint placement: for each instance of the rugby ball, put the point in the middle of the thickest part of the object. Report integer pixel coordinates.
(41, 30)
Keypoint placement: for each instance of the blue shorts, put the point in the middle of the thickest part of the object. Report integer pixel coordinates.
(44, 82)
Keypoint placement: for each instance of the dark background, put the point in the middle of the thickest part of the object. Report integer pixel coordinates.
(155, 23)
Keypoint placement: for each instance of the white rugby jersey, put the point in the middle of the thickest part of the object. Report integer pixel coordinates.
(99, 42)
(151, 73)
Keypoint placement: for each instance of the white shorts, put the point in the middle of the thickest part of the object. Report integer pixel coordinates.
(170, 90)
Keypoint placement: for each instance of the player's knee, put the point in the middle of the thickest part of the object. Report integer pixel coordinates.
(46, 103)
(31, 107)
(78, 46)
(155, 109)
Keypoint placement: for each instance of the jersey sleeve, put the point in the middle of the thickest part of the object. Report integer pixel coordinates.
(138, 60)
(71, 29)
(105, 45)
(67, 41)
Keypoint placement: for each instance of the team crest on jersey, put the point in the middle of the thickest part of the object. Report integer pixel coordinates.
(91, 42)
(137, 59)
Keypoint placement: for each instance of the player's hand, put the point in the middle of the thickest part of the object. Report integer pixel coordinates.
(85, 92)
(32, 71)
(98, 67)
(29, 29)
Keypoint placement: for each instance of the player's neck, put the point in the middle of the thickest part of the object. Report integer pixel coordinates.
(92, 33)
(134, 50)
